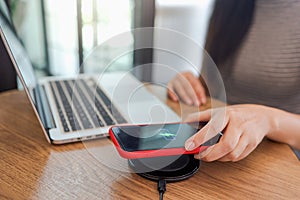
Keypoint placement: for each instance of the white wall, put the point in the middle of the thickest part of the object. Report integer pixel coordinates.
(188, 17)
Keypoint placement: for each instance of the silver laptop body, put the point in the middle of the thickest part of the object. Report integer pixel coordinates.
(84, 106)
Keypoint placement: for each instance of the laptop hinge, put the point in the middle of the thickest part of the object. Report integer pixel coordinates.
(43, 107)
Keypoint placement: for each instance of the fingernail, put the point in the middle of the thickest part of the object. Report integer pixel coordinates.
(203, 100)
(197, 103)
(190, 145)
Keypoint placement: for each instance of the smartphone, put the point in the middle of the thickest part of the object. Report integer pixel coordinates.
(153, 140)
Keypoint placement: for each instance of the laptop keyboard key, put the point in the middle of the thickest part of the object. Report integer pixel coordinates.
(76, 104)
(90, 109)
(60, 112)
(68, 109)
(100, 107)
(81, 108)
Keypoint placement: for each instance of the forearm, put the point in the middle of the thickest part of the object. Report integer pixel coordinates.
(287, 128)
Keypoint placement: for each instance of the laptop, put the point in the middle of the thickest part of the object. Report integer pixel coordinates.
(84, 106)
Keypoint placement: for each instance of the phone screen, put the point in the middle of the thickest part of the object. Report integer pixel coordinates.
(154, 137)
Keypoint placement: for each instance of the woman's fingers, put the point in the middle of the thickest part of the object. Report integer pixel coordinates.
(184, 83)
(246, 152)
(240, 136)
(183, 92)
(241, 148)
(186, 87)
(186, 79)
(212, 128)
(252, 139)
(241, 152)
(228, 144)
(171, 91)
(243, 127)
(204, 116)
(198, 88)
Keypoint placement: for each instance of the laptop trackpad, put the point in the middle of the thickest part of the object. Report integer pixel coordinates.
(148, 112)
(135, 102)
(141, 107)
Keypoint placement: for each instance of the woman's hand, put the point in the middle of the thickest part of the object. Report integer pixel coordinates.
(187, 88)
(243, 128)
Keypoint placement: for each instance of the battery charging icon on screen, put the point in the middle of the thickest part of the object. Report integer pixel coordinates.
(166, 134)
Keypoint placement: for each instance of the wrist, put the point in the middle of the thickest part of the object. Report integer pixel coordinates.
(284, 127)
(275, 116)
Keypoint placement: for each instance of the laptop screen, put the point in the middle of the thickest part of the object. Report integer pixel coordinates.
(18, 56)
(20, 60)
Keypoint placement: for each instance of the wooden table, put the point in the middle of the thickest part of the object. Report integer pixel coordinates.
(30, 168)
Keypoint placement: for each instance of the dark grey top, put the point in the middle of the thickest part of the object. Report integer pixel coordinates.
(266, 69)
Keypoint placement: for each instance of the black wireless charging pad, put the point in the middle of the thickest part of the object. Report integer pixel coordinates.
(170, 168)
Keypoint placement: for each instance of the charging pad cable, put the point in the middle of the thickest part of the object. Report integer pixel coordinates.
(181, 167)
(161, 187)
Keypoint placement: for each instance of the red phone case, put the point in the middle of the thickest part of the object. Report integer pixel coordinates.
(151, 153)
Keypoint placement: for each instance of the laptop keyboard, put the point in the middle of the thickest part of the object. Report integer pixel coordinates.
(83, 106)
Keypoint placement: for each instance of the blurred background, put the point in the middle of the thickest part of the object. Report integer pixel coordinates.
(59, 35)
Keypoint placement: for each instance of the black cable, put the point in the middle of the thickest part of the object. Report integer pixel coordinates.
(161, 187)
(161, 196)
